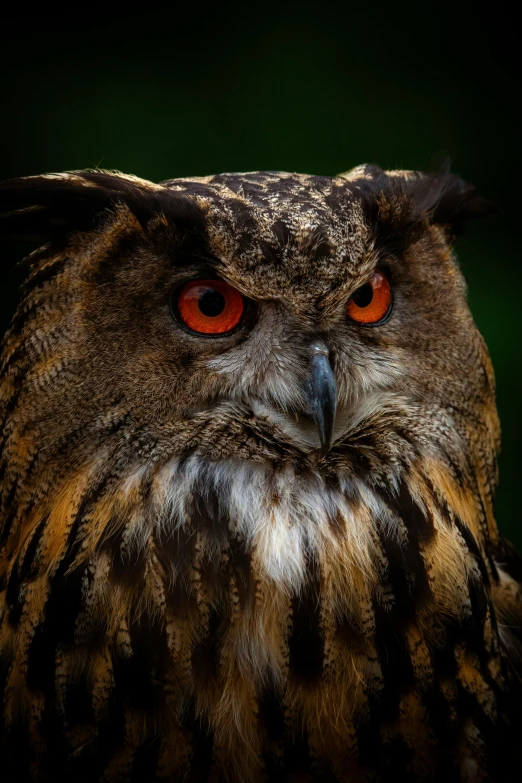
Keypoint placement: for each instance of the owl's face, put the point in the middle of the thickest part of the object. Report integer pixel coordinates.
(291, 309)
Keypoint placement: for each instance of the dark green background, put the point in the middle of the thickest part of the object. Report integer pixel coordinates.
(297, 87)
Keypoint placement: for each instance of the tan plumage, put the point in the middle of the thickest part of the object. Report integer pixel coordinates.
(192, 588)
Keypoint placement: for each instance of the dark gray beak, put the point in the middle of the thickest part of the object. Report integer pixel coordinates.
(321, 394)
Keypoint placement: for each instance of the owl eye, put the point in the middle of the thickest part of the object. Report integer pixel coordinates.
(372, 302)
(209, 306)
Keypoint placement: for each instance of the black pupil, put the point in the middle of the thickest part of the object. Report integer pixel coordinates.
(211, 303)
(363, 296)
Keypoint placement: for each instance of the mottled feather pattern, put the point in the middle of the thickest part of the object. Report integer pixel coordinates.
(191, 589)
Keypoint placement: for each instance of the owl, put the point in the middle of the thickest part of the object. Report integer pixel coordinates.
(248, 464)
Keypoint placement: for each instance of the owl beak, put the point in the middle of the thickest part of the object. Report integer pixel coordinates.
(321, 394)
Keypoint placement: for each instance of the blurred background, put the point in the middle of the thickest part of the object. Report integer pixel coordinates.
(289, 86)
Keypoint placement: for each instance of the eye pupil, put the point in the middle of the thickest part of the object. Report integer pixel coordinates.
(211, 303)
(363, 296)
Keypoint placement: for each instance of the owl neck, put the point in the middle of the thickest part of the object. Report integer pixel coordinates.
(353, 541)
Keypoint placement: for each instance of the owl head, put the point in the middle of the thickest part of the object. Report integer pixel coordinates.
(263, 315)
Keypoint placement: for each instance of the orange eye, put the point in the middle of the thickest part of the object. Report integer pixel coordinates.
(372, 302)
(210, 306)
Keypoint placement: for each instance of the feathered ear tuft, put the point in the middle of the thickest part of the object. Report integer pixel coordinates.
(398, 203)
(446, 200)
(48, 207)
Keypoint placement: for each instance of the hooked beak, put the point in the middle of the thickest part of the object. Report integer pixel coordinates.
(321, 394)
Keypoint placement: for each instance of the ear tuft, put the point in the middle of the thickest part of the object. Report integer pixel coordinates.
(45, 207)
(399, 203)
(446, 199)
(52, 206)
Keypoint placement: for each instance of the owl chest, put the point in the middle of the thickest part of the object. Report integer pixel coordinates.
(248, 679)
(246, 635)
(312, 640)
